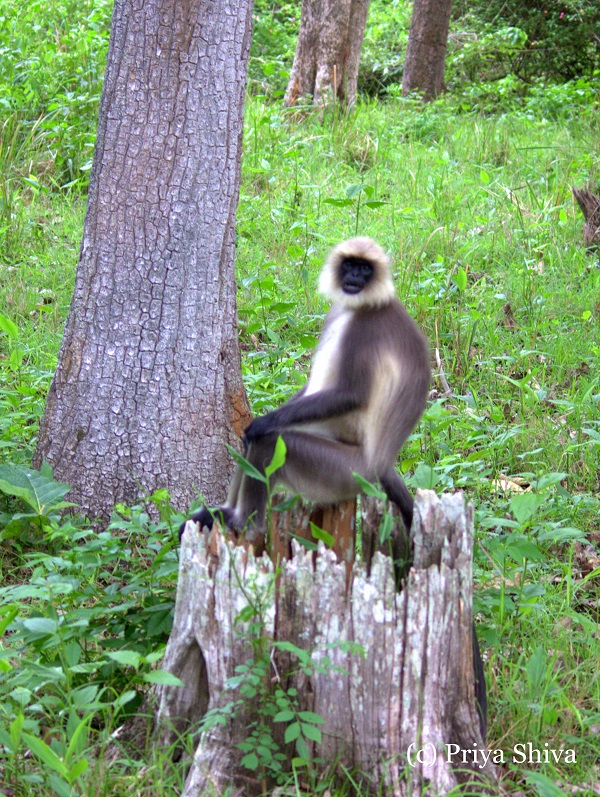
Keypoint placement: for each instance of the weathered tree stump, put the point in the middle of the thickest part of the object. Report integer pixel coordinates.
(590, 207)
(411, 690)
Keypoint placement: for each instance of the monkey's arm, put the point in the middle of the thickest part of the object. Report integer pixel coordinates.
(304, 409)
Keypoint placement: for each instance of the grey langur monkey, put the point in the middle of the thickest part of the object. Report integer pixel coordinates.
(366, 392)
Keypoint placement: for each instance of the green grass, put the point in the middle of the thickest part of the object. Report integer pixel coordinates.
(477, 214)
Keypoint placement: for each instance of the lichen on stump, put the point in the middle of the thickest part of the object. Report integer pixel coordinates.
(411, 687)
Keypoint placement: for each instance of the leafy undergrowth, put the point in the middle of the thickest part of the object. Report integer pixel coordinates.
(476, 212)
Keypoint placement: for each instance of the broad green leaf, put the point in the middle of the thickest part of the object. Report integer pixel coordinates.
(386, 528)
(8, 327)
(309, 545)
(77, 770)
(295, 251)
(460, 279)
(16, 726)
(549, 480)
(84, 695)
(41, 750)
(284, 716)
(312, 733)
(308, 341)
(425, 477)
(302, 748)
(125, 698)
(37, 490)
(128, 658)
(15, 359)
(525, 505)
(354, 190)
(60, 786)
(292, 732)
(520, 549)
(41, 625)
(245, 466)
(278, 460)
(310, 716)
(321, 534)
(162, 677)
(544, 786)
(250, 761)
(338, 203)
(561, 534)
(368, 488)
(73, 653)
(5, 741)
(289, 647)
(8, 615)
(78, 739)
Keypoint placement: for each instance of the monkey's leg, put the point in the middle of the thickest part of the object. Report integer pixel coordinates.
(238, 506)
(320, 468)
(205, 517)
(247, 497)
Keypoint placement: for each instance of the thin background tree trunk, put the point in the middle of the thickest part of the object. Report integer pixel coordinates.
(589, 205)
(328, 51)
(148, 384)
(426, 49)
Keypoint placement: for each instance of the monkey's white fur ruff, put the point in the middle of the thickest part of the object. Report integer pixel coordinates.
(378, 292)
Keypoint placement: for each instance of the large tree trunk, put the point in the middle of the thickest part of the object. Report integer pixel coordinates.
(426, 49)
(410, 690)
(148, 385)
(328, 51)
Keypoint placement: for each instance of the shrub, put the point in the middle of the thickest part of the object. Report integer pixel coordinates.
(561, 35)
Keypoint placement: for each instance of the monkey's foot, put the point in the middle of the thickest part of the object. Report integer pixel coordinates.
(226, 517)
(206, 518)
(203, 517)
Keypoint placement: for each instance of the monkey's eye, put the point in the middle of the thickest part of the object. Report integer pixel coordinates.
(357, 265)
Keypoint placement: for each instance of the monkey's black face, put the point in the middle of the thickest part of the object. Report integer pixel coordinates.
(355, 273)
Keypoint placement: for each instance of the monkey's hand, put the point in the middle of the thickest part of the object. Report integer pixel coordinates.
(259, 427)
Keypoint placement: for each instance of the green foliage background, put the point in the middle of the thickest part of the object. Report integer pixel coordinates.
(471, 196)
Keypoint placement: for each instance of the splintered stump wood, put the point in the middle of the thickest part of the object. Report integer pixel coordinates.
(397, 685)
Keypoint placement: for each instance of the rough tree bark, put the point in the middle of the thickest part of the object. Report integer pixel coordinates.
(148, 384)
(328, 51)
(426, 49)
(590, 207)
(411, 690)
